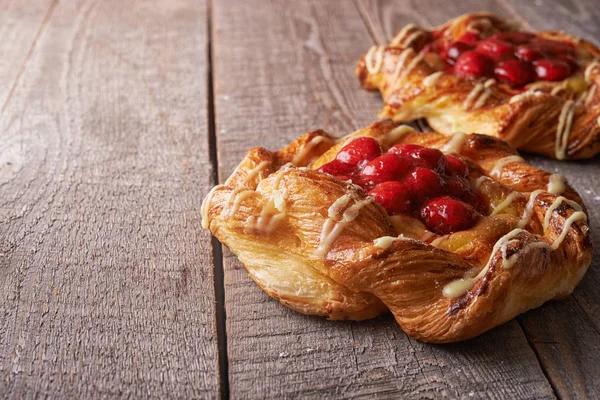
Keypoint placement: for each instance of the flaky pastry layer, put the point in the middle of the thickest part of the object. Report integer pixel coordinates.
(557, 119)
(321, 246)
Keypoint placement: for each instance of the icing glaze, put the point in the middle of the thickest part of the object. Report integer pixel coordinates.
(499, 165)
(563, 129)
(374, 66)
(556, 184)
(332, 228)
(311, 144)
(455, 143)
(479, 95)
(396, 134)
(505, 203)
(528, 212)
(402, 35)
(431, 79)
(588, 70)
(557, 202)
(521, 96)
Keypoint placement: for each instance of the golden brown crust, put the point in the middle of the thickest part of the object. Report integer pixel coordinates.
(322, 247)
(531, 122)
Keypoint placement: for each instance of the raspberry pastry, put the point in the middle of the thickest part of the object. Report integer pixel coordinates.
(454, 235)
(537, 91)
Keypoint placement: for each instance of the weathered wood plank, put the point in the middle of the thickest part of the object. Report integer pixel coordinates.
(280, 70)
(22, 24)
(106, 281)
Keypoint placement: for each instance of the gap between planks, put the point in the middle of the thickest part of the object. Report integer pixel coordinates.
(217, 247)
(381, 41)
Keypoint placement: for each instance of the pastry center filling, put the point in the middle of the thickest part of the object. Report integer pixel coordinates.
(412, 180)
(515, 58)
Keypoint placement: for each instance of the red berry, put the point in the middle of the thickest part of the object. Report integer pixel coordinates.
(387, 167)
(553, 47)
(456, 49)
(527, 53)
(515, 37)
(457, 187)
(393, 196)
(514, 72)
(455, 166)
(431, 158)
(552, 70)
(469, 38)
(496, 49)
(472, 64)
(359, 150)
(423, 184)
(336, 168)
(445, 215)
(573, 65)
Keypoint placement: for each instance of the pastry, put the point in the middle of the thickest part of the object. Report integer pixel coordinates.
(453, 235)
(477, 73)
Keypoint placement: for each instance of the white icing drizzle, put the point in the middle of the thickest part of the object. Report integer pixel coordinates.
(402, 35)
(505, 203)
(557, 202)
(559, 88)
(479, 181)
(205, 205)
(588, 70)
(528, 212)
(437, 241)
(312, 143)
(400, 63)
(497, 170)
(556, 184)
(410, 39)
(374, 66)
(523, 95)
(576, 216)
(413, 64)
(431, 79)
(427, 235)
(396, 134)
(480, 93)
(267, 221)
(332, 228)
(472, 95)
(255, 171)
(461, 286)
(454, 144)
(243, 195)
(590, 95)
(385, 242)
(400, 72)
(563, 129)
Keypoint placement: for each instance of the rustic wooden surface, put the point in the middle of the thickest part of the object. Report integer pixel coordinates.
(116, 118)
(106, 278)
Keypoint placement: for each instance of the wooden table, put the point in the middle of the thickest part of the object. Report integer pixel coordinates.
(117, 117)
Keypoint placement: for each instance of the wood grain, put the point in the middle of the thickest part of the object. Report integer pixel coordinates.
(22, 24)
(280, 71)
(106, 277)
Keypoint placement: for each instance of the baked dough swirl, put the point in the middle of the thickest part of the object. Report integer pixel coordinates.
(321, 246)
(559, 119)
